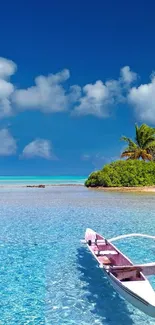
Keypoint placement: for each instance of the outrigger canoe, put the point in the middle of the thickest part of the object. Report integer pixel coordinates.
(127, 279)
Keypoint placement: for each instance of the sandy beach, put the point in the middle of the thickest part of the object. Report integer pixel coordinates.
(145, 189)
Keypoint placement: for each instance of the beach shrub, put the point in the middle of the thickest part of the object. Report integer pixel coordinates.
(124, 173)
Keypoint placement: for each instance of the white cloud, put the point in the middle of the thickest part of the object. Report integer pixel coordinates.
(143, 100)
(95, 100)
(5, 108)
(98, 98)
(52, 94)
(48, 94)
(8, 144)
(6, 90)
(39, 148)
(7, 68)
(127, 75)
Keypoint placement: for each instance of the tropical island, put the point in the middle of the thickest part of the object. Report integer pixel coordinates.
(137, 172)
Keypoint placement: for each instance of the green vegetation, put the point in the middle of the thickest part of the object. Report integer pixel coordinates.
(124, 173)
(143, 145)
(137, 170)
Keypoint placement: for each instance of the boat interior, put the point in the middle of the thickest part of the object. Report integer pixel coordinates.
(108, 256)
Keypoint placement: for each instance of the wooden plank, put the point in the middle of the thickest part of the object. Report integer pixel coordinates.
(147, 269)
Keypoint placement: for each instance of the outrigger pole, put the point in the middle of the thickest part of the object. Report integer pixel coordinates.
(130, 235)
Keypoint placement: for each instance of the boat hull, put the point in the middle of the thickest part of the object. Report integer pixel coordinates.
(130, 296)
(122, 287)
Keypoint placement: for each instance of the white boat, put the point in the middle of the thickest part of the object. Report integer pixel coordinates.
(127, 279)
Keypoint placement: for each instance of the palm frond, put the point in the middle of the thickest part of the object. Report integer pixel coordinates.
(149, 143)
(146, 156)
(144, 145)
(137, 153)
(129, 141)
(146, 133)
(127, 154)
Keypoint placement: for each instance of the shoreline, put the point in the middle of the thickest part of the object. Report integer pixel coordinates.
(144, 189)
(141, 189)
(37, 185)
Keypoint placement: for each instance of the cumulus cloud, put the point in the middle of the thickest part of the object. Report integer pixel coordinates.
(6, 90)
(99, 97)
(95, 100)
(142, 99)
(127, 75)
(7, 68)
(8, 144)
(52, 93)
(48, 94)
(39, 148)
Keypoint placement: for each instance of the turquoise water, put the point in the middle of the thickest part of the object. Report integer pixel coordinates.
(54, 180)
(46, 276)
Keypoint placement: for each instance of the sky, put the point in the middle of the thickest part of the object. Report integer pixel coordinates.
(74, 77)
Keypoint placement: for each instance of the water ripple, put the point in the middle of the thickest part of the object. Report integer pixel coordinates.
(46, 277)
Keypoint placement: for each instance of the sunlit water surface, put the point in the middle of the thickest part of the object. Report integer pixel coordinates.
(46, 276)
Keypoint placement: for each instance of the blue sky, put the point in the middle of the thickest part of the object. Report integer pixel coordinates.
(74, 77)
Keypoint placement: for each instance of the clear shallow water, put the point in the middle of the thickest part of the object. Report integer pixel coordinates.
(46, 276)
(55, 180)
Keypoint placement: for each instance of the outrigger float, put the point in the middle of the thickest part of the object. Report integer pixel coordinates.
(127, 279)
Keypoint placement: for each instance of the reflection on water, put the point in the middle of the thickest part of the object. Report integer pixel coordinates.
(106, 302)
(46, 277)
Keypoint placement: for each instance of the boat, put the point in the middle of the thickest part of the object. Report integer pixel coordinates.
(127, 279)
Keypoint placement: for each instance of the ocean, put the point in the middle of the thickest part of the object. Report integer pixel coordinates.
(48, 180)
(46, 275)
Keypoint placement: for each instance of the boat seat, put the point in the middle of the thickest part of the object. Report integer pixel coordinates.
(99, 241)
(105, 252)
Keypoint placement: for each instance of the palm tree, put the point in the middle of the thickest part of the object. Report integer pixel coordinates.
(143, 146)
